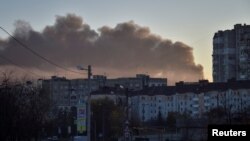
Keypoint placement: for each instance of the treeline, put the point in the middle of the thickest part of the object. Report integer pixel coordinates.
(24, 111)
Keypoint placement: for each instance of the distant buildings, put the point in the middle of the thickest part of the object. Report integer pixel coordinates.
(67, 93)
(194, 99)
(137, 83)
(191, 99)
(231, 54)
(148, 100)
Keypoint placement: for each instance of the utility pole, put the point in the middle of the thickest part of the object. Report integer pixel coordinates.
(88, 101)
(89, 104)
(126, 130)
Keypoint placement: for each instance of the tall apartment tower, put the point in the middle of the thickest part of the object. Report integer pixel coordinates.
(231, 54)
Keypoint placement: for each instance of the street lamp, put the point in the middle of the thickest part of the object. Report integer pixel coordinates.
(88, 100)
(126, 128)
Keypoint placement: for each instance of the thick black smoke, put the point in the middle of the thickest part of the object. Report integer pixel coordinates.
(124, 50)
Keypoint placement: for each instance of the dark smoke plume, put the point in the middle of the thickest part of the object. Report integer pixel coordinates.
(124, 50)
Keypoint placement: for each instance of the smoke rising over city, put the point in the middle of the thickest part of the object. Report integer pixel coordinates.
(123, 50)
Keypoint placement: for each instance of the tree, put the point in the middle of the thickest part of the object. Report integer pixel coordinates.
(23, 110)
(216, 115)
(160, 121)
(171, 120)
(107, 119)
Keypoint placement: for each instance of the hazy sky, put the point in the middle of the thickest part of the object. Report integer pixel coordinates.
(192, 22)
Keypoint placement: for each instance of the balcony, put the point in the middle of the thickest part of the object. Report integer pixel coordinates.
(206, 97)
(243, 58)
(195, 99)
(206, 104)
(195, 105)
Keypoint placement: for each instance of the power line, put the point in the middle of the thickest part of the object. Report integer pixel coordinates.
(13, 63)
(37, 54)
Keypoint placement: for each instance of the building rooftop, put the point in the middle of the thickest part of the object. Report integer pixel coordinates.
(181, 87)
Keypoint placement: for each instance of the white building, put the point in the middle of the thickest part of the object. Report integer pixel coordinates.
(192, 99)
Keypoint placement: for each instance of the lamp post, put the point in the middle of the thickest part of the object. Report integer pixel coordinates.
(126, 125)
(127, 131)
(88, 101)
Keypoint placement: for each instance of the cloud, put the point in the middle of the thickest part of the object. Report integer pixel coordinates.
(123, 50)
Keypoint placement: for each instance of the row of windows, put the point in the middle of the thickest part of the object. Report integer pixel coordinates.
(207, 104)
(154, 98)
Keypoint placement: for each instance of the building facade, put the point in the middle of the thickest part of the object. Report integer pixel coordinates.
(66, 93)
(137, 83)
(244, 57)
(192, 99)
(231, 54)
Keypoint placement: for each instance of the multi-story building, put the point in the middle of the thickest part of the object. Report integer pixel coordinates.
(229, 61)
(66, 93)
(194, 99)
(137, 83)
(244, 57)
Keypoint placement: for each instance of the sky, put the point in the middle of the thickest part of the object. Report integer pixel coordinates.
(192, 22)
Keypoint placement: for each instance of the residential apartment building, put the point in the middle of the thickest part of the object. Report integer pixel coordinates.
(194, 99)
(231, 57)
(137, 83)
(66, 93)
(244, 57)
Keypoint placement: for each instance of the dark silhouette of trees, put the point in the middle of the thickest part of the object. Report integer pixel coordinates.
(160, 121)
(171, 120)
(23, 110)
(216, 115)
(107, 120)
